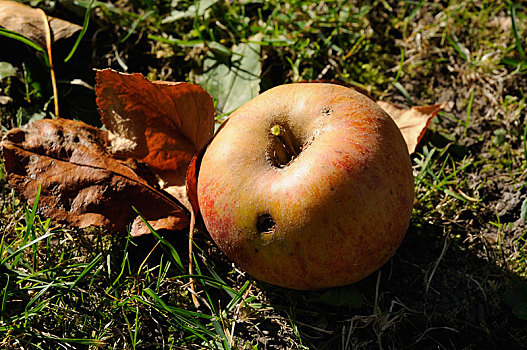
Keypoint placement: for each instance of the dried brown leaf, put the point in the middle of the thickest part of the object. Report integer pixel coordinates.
(82, 184)
(28, 21)
(160, 123)
(411, 121)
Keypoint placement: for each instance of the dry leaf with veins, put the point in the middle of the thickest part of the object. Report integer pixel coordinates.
(82, 184)
(29, 22)
(160, 123)
(412, 122)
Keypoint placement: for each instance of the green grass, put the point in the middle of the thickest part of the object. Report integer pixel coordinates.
(62, 288)
(457, 281)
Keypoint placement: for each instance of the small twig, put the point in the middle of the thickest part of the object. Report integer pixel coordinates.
(436, 264)
(377, 284)
(190, 258)
(322, 330)
(50, 60)
(283, 136)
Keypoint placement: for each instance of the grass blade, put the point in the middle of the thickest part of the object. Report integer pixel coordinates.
(404, 92)
(21, 249)
(456, 47)
(165, 244)
(79, 341)
(4, 299)
(525, 142)
(188, 320)
(401, 62)
(87, 269)
(83, 31)
(221, 333)
(35, 298)
(14, 35)
(30, 217)
(469, 111)
(134, 25)
(515, 32)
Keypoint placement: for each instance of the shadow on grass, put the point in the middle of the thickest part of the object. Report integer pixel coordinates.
(431, 294)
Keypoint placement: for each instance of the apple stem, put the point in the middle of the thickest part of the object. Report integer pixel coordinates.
(283, 136)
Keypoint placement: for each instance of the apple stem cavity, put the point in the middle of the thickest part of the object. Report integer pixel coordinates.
(286, 152)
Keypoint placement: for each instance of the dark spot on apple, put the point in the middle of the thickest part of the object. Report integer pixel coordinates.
(326, 111)
(265, 224)
(256, 250)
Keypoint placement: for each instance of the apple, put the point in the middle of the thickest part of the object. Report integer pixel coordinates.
(307, 186)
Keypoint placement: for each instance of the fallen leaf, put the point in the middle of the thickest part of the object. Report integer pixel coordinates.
(412, 122)
(236, 82)
(29, 22)
(82, 184)
(160, 123)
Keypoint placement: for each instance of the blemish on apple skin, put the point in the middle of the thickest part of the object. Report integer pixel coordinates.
(326, 111)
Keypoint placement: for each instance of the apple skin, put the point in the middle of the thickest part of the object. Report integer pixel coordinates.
(340, 208)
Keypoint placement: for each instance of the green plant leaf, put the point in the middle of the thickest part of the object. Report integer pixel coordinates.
(516, 297)
(347, 296)
(196, 10)
(83, 31)
(236, 82)
(520, 311)
(29, 114)
(7, 70)
(499, 136)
